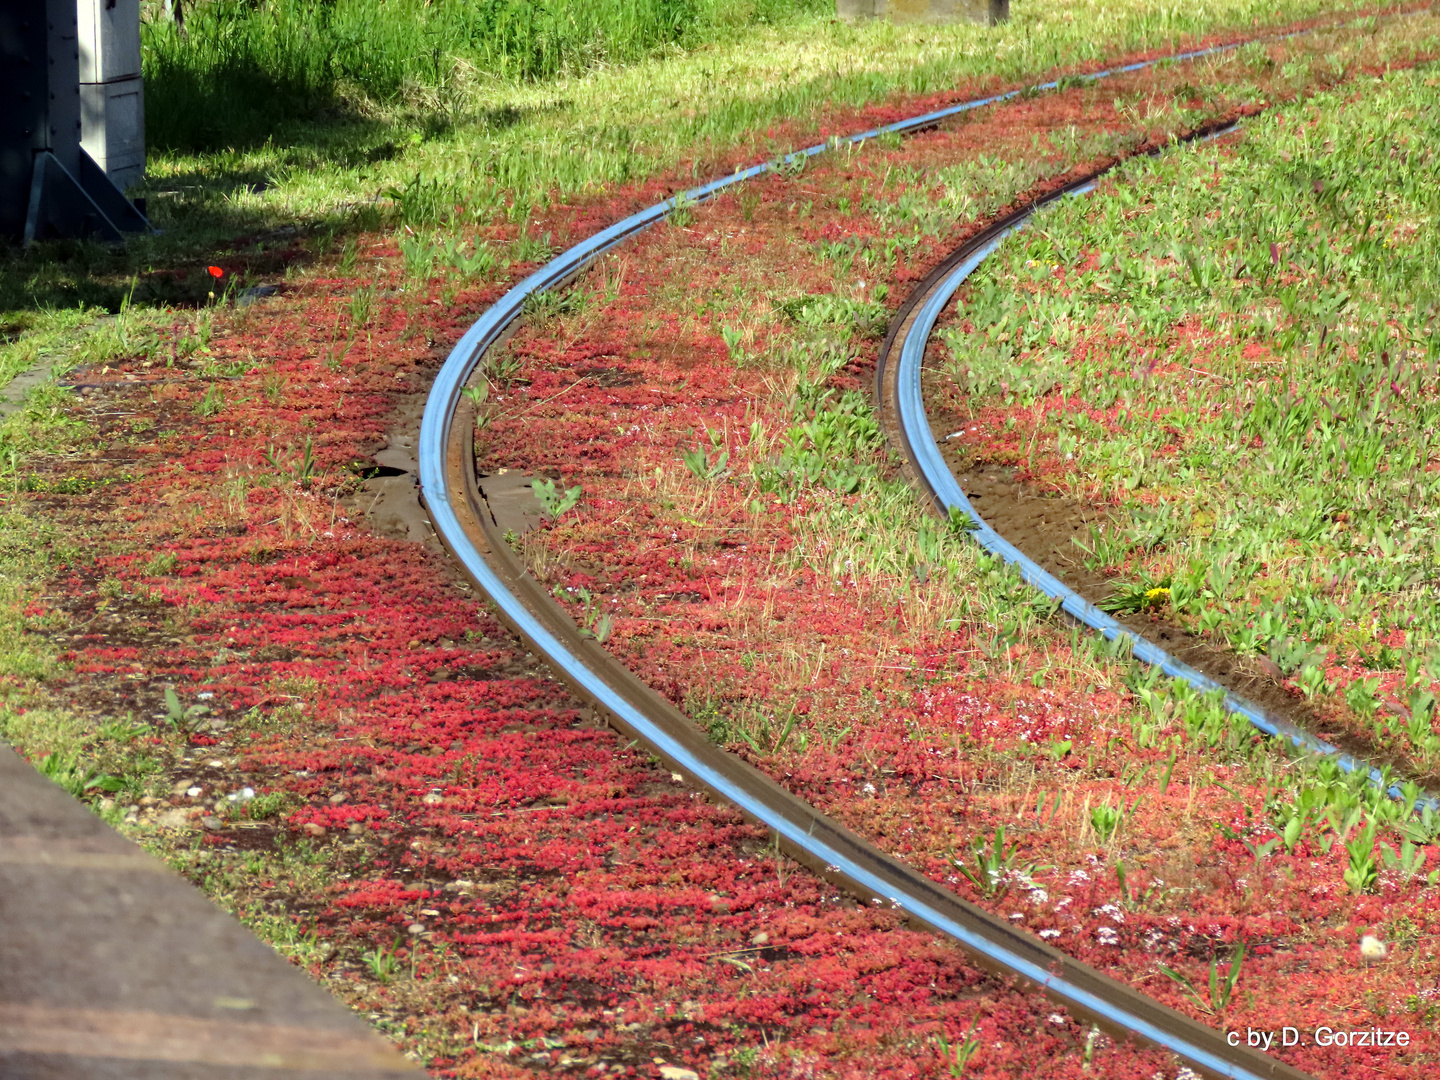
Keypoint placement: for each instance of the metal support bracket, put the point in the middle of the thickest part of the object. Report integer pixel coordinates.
(88, 206)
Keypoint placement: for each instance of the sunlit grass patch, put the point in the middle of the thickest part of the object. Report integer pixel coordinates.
(1281, 497)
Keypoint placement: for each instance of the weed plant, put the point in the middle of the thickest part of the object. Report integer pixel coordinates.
(853, 539)
(824, 498)
(313, 107)
(1236, 344)
(236, 67)
(297, 123)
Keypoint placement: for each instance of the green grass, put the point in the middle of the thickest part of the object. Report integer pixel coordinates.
(340, 131)
(238, 66)
(91, 757)
(1257, 385)
(31, 549)
(500, 143)
(504, 142)
(380, 132)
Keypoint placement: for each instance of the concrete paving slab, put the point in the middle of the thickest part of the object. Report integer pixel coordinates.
(113, 967)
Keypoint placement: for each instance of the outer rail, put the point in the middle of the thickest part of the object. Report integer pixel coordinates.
(448, 486)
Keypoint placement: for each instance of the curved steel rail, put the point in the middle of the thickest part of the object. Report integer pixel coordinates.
(448, 486)
(898, 388)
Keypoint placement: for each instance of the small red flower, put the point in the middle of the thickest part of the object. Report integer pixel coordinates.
(215, 272)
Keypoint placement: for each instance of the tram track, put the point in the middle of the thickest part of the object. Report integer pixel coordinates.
(898, 377)
(843, 858)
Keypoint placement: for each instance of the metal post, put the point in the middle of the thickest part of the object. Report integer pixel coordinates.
(49, 185)
(112, 98)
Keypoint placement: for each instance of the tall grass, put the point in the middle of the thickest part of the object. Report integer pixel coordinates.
(241, 65)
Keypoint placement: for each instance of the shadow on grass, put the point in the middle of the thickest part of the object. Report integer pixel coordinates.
(204, 216)
(169, 270)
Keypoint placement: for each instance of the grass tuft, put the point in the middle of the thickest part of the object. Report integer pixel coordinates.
(236, 67)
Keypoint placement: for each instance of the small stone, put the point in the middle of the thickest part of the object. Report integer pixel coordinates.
(148, 800)
(181, 787)
(173, 819)
(414, 643)
(338, 798)
(433, 799)
(416, 928)
(675, 1072)
(760, 937)
(215, 764)
(194, 792)
(313, 828)
(1394, 708)
(355, 828)
(1372, 948)
(214, 824)
(254, 294)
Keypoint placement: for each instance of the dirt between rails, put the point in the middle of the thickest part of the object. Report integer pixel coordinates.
(1044, 525)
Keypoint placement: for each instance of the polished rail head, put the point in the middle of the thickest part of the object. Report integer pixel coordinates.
(1090, 993)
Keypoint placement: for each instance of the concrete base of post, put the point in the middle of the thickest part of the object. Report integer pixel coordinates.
(925, 11)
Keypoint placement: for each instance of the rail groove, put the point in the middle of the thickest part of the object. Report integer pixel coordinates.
(449, 489)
